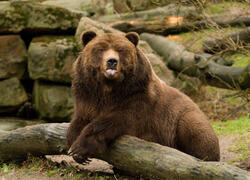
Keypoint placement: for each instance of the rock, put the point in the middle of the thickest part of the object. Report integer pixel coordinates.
(161, 70)
(53, 102)
(16, 16)
(13, 56)
(12, 95)
(89, 7)
(75, 5)
(91, 25)
(102, 7)
(122, 6)
(51, 58)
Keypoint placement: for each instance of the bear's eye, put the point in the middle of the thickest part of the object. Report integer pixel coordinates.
(98, 50)
(121, 50)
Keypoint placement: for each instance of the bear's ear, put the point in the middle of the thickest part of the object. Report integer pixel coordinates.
(87, 36)
(133, 37)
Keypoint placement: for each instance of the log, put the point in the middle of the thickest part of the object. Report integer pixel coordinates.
(172, 19)
(162, 20)
(129, 154)
(240, 38)
(208, 71)
(38, 140)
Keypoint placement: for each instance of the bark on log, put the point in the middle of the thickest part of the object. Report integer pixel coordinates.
(129, 154)
(189, 63)
(241, 37)
(170, 19)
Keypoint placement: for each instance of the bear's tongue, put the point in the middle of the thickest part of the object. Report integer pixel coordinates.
(111, 72)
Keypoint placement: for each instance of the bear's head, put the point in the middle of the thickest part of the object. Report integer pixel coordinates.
(113, 60)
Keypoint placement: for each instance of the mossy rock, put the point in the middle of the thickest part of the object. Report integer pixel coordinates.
(16, 16)
(51, 58)
(13, 56)
(88, 7)
(75, 5)
(53, 102)
(161, 69)
(87, 24)
(12, 94)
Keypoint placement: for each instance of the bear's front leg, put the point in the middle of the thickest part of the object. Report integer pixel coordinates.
(77, 124)
(95, 138)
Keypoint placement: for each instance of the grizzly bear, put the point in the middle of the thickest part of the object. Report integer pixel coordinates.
(116, 92)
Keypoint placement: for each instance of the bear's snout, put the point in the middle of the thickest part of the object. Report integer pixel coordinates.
(112, 63)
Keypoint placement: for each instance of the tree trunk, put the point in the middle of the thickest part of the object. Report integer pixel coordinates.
(239, 38)
(172, 19)
(129, 154)
(206, 70)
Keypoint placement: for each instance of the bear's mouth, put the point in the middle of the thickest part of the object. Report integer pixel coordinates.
(111, 72)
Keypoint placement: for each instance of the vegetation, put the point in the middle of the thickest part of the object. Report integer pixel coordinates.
(240, 130)
(224, 6)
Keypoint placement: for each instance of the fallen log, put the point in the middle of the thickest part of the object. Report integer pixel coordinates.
(129, 154)
(162, 20)
(208, 71)
(217, 59)
(172, 19)
(238, 38)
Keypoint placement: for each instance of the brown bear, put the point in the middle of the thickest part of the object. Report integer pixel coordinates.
(117, 92)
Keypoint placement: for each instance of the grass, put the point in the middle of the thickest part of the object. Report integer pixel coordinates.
(242, 148)
(239, 128)
(222, 7)
(43, 167)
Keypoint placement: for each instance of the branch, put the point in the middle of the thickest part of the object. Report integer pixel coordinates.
(236, 38)
(199, 66)
(129, 154)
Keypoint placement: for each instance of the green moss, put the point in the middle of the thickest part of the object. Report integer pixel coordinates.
(52, 172)
(222, 7)
(241, 59)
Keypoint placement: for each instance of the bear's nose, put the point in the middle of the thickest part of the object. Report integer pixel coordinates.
(112, 62)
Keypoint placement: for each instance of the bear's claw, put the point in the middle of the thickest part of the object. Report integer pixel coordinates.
(78, 158)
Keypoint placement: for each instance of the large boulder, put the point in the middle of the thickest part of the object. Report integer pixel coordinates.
(53, 102)
(90, 7)
(16, 16)
(159, 67)
(12, 95)
(75, 5)
(51, 58)
(13, 56)
(87, 24)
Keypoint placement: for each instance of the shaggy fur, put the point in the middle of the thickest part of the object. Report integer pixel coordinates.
(134, 101)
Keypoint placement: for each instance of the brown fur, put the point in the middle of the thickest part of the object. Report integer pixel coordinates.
(134, 102)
